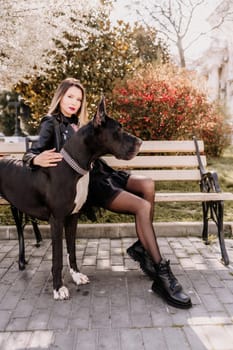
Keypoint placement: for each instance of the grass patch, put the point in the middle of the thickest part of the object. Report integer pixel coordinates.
(169, 211)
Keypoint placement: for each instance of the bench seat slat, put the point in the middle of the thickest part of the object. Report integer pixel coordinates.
(179, 197)
(192, 197)
(155, 162)
(18, 156)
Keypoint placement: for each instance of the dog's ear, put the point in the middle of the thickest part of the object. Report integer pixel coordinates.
(99, 117)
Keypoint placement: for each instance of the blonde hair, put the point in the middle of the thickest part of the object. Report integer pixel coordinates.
(60, 92)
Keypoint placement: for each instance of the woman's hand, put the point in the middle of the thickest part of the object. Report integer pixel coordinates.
(48, 158)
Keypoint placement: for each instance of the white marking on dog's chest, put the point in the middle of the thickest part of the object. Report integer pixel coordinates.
(81, 192)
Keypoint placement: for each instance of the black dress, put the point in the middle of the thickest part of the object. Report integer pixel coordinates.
(105, 182)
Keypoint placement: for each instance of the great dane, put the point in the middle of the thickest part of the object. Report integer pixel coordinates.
(55, 194)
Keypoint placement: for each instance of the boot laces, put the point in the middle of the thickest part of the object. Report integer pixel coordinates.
(165, 269)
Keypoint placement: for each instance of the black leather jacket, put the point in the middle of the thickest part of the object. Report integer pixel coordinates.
(54, 131)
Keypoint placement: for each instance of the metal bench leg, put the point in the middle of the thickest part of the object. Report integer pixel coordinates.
(205, 209)
(35, 228)
(18, 217)
(36, 231)
(217, 209)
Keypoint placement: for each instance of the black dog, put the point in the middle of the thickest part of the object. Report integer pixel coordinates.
(56, 194)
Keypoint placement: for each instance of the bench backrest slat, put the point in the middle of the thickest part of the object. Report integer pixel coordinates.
(169, 175)
(160, 160)
(189, 161)
(147, 146)
(171, 146)
(12, 147)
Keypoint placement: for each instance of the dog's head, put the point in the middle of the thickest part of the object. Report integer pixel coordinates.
(109, 136)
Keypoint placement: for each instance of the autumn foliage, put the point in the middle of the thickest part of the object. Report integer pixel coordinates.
(168, 104)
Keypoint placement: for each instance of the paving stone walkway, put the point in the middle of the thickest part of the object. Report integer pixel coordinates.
(117, 310)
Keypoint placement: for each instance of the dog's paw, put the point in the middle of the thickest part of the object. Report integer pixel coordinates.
(61, 294)
(79, 278)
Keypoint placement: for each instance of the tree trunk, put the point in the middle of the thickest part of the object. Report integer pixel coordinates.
(181, 52)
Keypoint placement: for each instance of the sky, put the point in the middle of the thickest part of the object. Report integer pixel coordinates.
(199, 24)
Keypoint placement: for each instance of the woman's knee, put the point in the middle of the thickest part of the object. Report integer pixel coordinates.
(143, 185)
(126, 202)
(150, 185)
(144, 207)
(147, 188)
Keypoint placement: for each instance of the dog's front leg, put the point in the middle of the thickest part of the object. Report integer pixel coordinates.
(70, 234)
(60, 292)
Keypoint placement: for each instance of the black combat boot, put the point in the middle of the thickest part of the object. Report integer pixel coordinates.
(138, 253)
(166, 285)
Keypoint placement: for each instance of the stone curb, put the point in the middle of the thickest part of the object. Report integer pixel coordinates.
(122, 230)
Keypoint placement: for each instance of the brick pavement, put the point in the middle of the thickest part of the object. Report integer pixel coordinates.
(117, 310)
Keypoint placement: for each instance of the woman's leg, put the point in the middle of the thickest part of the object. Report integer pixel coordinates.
(145, 188)
(141, 205)
(127, 202)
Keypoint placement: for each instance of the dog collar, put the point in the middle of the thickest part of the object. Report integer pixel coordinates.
(72, 163)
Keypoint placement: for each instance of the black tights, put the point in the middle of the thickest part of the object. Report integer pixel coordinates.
(138, 199)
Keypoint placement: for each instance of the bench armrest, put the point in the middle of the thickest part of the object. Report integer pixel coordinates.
(209, 182)
(209, 179)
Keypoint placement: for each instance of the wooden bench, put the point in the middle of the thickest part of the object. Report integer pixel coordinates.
(178, 161)
(173, 161)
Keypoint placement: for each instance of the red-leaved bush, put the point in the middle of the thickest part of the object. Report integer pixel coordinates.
(164, 104)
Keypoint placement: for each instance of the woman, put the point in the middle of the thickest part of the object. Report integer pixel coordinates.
(113, 190)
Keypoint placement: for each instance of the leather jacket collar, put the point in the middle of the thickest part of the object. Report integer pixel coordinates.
(66, 120)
